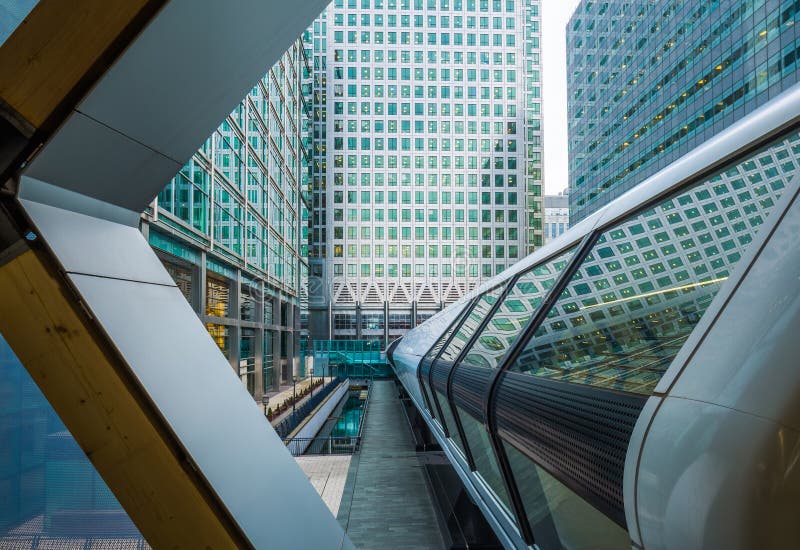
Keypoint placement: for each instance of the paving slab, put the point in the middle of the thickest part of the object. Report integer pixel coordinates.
(327, 474)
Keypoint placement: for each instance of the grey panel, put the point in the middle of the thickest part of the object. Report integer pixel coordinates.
(97, 161)
(222, 429)
(712, 477)
(632, 466)
(190, 68)
(748, 360)
(577, 433)
(106, 249)
(34, 190)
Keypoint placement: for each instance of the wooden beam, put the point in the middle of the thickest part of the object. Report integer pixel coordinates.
(106, 411)
(62, 47)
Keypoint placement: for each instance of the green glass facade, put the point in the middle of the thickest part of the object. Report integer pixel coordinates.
(649, 81)
(231, 228)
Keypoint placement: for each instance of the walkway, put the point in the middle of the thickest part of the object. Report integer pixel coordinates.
(328, 474)
(386, 503)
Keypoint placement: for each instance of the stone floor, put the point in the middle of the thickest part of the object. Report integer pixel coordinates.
(327, 474)
(385, 502)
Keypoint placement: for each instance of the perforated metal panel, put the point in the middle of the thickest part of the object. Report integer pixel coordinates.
(578, 433)
(469, 385)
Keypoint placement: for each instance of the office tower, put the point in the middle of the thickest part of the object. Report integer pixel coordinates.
(426, 156)
(556, 215)
(649, 81)
(229, 228)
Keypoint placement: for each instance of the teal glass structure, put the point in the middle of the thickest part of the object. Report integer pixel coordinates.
(650, 81)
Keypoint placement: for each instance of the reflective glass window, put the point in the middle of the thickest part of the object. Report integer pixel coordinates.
(217, 297)
(648, 281)
(482, 308)
(473, 319)
(447, 420)
(474, 431)
(558, 517)
(514, 313)
(483, 454)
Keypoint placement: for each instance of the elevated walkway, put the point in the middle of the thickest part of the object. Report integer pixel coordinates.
(386, 502)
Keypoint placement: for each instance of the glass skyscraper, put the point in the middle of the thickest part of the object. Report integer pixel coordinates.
(426, 156)
(229, 228)
(649, 81)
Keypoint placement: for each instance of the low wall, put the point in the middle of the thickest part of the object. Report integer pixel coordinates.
(311, 425)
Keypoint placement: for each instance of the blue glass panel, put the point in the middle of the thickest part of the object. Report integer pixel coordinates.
(51, 494)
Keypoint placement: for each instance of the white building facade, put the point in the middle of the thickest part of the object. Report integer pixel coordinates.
(556, 215)
(425, 156)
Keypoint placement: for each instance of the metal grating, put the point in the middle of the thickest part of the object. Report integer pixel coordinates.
(578, 433)
(469, 385)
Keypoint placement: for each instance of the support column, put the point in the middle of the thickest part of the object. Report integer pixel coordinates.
(358, 320)
(259, 343)
(234, 330)
(330, 320)
(258, 347)
(202, 277)
(277, 368)
(385, 324)
(292, 342)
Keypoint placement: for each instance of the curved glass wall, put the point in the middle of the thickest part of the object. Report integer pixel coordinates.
(472, 321)
(631, 305)
(484, 457)
(622, 317)
(425, 364)
(648, 280)
(482, 307)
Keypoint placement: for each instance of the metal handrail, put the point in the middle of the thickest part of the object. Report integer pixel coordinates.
(327, 445)
(364, 414)
(335, 444)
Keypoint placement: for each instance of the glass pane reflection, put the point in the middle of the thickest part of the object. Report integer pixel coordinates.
(558, 517)
(425, 364)
(471, 323)
(483, 454)
(514, 313)
(647, 282)
(449, 421)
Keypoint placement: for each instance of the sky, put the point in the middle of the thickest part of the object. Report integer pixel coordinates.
(555, 14)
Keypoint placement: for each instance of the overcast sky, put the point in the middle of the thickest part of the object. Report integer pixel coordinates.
(555, 14)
